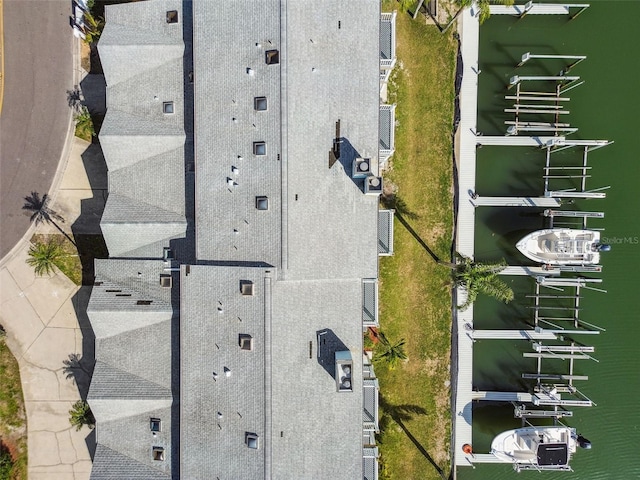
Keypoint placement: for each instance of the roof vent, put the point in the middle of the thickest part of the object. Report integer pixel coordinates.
(260, 103)
(262, 203)
(167, 254)
(259, 148)
(172, 16)
(245, 341)
(252, 440)
(158, 453)
(165, 281)
(167, 108)
(272, 57)
(144, 302)
(373, 185)
(246, 287)
(155, 424)
(361, 167)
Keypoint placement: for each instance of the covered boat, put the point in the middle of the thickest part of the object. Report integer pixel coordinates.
(538, 448)
(563, 246)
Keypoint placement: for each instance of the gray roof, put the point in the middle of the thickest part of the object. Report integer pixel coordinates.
(321, 428)
(109, 464)
(139, 438)
(266, 384)
(319, 236)
(143, 60)
(328, 232)
(213, 315)
(224, 92)
(132, 379)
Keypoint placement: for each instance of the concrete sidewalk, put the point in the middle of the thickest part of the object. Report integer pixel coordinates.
(47, 328)
(39, 314)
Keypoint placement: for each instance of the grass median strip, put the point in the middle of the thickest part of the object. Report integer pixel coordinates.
(415, 291)
(13, 429)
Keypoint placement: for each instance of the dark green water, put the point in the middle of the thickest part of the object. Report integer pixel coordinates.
(607, 106)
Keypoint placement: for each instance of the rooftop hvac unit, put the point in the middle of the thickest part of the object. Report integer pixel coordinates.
(373, 185)
(361, 167)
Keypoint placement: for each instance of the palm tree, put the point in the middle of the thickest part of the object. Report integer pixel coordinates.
(80, 415)
(479, 278)
(84, 125)
(42, 212)
(93, 27)
(43, 257)
(484, 6)
(390, 352)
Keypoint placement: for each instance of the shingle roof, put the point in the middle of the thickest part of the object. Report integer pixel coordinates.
(111, 465)
(214, 314)
(143, 60)
(226, 125)
(128, 225)
(112, 383)
(319, 232)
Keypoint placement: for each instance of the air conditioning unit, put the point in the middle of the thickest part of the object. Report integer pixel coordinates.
(361, 167)
(373, 185)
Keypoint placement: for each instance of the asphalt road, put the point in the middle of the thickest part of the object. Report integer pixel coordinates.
(38, 47)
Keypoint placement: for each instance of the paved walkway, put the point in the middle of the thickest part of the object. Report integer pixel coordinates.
(42, 331)
(48, 332)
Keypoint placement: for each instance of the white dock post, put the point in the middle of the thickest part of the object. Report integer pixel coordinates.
(577, 59)
(558, 78)
(583, 7)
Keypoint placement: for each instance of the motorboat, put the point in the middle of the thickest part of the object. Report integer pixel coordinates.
(538, 448)
(563, 246)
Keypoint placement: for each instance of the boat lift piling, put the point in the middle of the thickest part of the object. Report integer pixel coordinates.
(576, 59)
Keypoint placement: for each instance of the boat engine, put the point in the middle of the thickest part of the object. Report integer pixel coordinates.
(601, 247)
(583, 442)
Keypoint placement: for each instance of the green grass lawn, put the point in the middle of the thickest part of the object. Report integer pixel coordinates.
(77, 264)
(415, 292)
(13, 437)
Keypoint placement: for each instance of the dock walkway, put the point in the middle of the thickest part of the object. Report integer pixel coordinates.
(536, 9)
(540, 202)
(519, 141)
(467, 141)
(465, 222)
(513, 335)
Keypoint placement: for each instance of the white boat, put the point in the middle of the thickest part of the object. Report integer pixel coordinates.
(538, 448)
(563, 246)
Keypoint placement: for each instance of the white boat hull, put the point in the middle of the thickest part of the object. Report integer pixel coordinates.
(540, 448)
(561, 246)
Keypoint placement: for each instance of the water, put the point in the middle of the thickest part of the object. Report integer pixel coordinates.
(605, 107)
